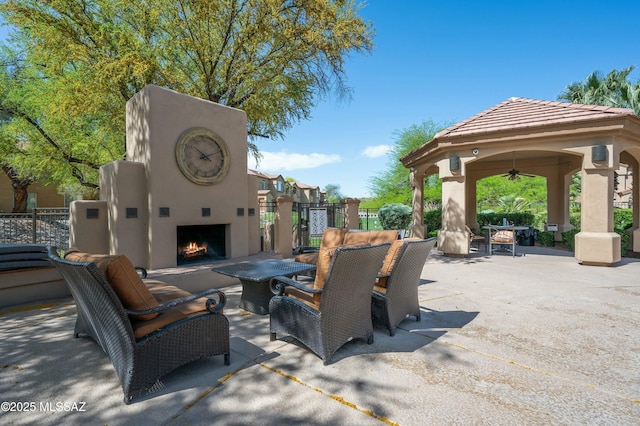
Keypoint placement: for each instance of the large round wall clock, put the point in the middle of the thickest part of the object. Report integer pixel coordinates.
(202, 156)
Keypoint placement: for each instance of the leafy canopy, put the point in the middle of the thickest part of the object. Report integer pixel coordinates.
(392, 185)
(614, 89)
(72, 65)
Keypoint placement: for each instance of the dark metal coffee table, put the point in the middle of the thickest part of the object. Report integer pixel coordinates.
(255, 277)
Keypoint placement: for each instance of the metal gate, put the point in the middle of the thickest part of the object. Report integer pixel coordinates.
(311, 219)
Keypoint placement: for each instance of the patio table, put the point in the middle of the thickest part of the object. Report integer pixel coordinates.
(511, 228)
(255, 276)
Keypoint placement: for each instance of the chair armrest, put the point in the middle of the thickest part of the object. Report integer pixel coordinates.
(141, 271)
(212, 305)
(278, 284)
(305, 249)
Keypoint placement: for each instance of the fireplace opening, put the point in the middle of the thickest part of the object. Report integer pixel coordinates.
(197, 243)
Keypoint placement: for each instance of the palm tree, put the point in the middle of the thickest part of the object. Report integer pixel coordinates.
(511, 204)
(614, 90)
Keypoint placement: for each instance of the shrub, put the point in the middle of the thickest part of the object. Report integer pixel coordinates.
(569, 238)
(518, 219)
(433, 220)
(394, 216)
(545, 238)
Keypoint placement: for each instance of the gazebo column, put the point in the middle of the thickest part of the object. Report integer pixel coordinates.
(417, 229)
(635, 197)
(597, 244)
(558, 202)
(472, 202)
(453, 239)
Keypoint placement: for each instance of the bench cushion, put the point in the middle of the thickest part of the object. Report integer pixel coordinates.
(123, 278)
(164, 293)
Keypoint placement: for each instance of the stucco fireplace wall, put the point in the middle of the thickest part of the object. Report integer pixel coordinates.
(148, 197)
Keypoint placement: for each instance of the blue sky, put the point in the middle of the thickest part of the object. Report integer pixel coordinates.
(446, 61)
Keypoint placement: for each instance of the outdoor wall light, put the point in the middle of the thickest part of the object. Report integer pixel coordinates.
(454, 163)
(599, 153)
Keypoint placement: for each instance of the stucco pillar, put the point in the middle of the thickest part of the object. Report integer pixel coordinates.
(453, 239)
(351, 214)
(472, 202)
(635, 197)
(558, 202)
(283, 243)
(89, 226)
(123, 186)
(417, 228)
(597, 244)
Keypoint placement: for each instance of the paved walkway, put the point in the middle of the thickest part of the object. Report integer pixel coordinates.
(536, 339)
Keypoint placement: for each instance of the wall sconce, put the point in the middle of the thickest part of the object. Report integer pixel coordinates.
(454, 163)
(599, 153)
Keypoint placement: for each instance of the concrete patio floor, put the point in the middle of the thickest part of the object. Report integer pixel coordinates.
(536, 339)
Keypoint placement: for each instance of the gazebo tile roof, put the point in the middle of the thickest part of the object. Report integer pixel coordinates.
(515, 113)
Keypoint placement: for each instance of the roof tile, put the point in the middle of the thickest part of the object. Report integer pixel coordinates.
(517, 113)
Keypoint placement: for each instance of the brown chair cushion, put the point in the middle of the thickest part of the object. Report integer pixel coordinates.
(310, 258)
(502, 237)
(386, 236)
(389, 262)
(357, 237)
(379, 289)
(371, 237)
(165, 293)
(307, 298)
(333, 237)
(322, 267)
(123, 278)
(101, 260)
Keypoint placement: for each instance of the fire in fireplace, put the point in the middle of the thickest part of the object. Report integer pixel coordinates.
(198, 243)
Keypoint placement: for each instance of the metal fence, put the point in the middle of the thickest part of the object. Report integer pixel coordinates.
(267, 219)
(369, 219)
(49, 226)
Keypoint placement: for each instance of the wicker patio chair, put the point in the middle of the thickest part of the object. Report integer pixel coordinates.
(395, 294)
(141, 361)
(340, 309)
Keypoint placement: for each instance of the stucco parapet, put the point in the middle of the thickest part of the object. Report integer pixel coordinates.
(284, 200)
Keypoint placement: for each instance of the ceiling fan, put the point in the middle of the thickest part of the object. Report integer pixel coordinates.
(514, 174)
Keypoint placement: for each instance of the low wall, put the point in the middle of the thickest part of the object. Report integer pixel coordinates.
(31, 285)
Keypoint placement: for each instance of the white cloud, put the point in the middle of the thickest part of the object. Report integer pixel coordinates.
(284, 161)
(376, 151)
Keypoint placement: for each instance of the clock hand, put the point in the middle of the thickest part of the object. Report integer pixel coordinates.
(209, 155)
(203, 156)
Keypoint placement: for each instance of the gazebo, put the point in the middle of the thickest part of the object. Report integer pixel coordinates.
(544, 138)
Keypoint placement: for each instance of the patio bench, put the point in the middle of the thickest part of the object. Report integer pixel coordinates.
(146, 327)
(19, 256)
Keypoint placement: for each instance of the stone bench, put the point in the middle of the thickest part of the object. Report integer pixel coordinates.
(27, 275)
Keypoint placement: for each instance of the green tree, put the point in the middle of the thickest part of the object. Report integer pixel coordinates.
(490, 191)
(614, 89)
(334, 195)
(392, 185)
(73, 64)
